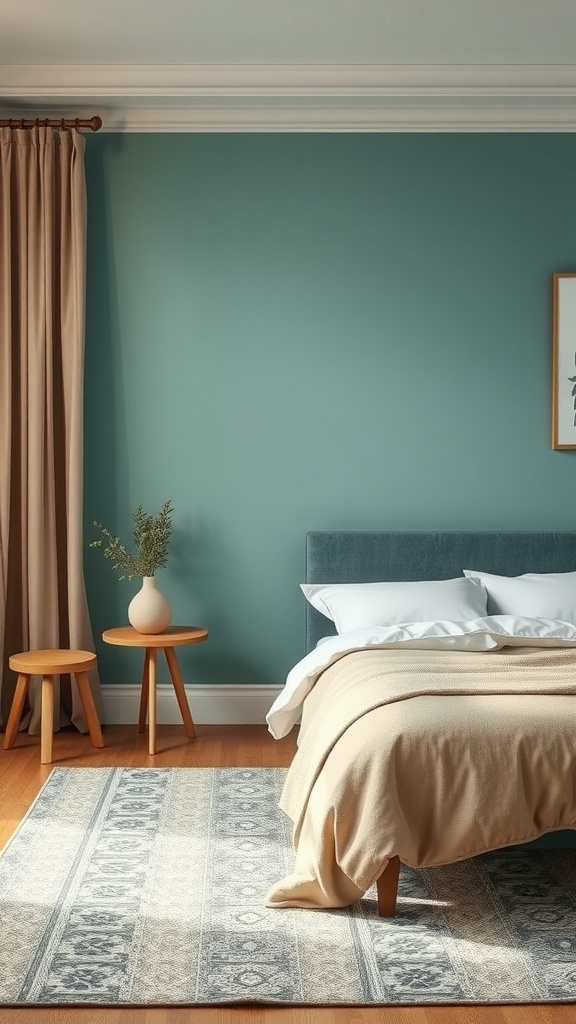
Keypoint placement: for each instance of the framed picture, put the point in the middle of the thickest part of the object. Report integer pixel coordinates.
(564, 361)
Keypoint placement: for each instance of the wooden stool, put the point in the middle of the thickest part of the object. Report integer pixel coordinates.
(49, 664)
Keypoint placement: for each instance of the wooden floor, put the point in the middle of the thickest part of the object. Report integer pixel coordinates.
(21, 776)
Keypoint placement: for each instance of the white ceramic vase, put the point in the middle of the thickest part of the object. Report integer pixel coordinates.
(149, 610)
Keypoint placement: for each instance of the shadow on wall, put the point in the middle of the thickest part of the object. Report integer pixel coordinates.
(105, 449)
(196, 569)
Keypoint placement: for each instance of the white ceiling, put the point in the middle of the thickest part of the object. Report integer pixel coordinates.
(287, 31)
(261, 64)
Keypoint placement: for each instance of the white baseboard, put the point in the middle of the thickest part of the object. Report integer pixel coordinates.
(210, 705)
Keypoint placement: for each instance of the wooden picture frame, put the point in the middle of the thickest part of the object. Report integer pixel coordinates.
(564, 361)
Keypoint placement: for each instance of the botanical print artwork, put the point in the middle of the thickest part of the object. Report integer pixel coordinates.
(564, 360)
(573, 382)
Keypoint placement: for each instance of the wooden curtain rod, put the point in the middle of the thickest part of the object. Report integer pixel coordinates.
(94, 123)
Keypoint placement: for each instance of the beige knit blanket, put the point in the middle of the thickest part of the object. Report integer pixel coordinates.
(432, 756)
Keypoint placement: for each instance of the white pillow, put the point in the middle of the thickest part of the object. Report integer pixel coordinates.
(549, 595)
(365, 605)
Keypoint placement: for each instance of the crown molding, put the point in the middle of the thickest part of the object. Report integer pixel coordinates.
(156, 80)
(298, 97)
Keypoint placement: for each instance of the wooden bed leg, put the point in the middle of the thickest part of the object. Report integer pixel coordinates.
(387, 888)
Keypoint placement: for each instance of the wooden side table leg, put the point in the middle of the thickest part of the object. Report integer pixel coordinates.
(144, 692)
(47, 722)
(89, 709)
(180, 692)
(151, 700)
(16, 710)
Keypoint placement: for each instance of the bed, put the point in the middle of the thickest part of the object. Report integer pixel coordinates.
(428, 751)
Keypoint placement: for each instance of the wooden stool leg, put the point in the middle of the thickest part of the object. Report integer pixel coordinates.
(180, 691)
(387, 888)
(89, 708)
(16, 710)
(144, 693)
(47, 723)
(152, 701)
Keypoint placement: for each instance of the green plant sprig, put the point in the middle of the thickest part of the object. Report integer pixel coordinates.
(151, 537)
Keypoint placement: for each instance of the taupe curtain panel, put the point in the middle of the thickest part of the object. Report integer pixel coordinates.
(42, 304)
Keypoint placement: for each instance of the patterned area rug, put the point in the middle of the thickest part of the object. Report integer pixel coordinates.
(145, 886)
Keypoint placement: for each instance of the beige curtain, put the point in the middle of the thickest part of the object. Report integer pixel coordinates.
(42, 301)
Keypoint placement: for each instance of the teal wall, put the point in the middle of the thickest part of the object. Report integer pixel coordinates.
(289, 332)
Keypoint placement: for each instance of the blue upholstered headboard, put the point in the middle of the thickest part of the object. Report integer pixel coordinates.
(358, 557)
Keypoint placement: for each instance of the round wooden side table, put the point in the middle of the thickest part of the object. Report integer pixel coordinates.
(174, 636)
